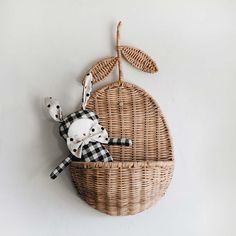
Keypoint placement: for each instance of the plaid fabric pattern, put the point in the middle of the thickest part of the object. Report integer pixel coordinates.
(93, 152)
(60, 167)
(120, 141)
(68, 120)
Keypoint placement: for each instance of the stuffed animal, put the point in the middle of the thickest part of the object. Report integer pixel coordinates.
(82, 132)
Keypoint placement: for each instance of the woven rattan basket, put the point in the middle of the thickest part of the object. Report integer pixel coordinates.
(139, 175)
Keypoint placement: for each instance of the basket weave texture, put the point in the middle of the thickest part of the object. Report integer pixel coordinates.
(140, 174)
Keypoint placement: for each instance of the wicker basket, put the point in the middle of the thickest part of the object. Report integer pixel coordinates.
(139, 175)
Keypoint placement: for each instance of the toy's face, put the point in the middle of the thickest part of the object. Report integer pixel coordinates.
(80, 129)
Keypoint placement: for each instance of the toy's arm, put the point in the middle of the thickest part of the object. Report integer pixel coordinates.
(67, 161)
(61, 167)
(120, 141)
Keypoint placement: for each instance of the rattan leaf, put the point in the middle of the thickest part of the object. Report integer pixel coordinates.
(139, 59)
(103, 68)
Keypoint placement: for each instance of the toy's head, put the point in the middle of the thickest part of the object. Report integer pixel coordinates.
(80, 127)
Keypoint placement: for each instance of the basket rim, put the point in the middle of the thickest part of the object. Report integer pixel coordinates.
(118, 164)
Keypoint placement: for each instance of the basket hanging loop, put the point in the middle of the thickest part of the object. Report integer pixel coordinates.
(120, 72)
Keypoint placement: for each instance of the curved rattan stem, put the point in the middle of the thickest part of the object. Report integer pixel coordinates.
(119, 52)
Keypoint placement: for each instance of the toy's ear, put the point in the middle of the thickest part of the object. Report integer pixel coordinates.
(54, 109)
(88, 85)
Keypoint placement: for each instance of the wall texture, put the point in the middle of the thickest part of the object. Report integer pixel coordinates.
(45, 49)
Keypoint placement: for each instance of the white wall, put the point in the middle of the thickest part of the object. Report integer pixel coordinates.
(46, 47)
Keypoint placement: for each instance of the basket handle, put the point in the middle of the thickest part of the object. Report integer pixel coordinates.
(105, 66)
(118, 50)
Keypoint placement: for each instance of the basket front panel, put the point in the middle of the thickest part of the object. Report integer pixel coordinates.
(120, 189)
(128, 111)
